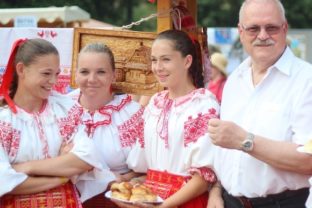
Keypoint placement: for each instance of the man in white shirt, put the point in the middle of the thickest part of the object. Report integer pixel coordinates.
(266, 113)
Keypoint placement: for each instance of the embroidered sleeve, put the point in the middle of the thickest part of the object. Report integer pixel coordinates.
(68, 125)
(197, 127)
(204, 172)
(132, 129)
(9, 139)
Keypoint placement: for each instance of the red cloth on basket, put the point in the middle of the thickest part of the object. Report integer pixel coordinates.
(165, 184)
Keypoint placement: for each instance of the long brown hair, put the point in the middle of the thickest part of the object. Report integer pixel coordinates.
(27, 53)
(186, 46)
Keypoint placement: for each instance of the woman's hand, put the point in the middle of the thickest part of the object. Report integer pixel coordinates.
(136, 205)
(22, 167)
(66, 147)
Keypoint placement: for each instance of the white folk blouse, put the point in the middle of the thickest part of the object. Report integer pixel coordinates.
(174, 135)
(108, 128)
(33, 136)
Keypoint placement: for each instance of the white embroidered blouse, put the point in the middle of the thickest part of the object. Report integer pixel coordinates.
(175, 135)
(108, 128)
(32, 136)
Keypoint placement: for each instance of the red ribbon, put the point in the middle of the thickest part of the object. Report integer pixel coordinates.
(8, 75)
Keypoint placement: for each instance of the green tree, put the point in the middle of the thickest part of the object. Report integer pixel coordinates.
(113, 12)
(224, 13)
(211, 13)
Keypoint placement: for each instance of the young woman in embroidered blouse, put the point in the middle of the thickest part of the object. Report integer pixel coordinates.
(106, 117)
(175, 149)
(34, 123)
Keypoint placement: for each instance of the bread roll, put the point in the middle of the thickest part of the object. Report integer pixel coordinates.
(142, 193)
(136, 193)
(121, 190)
(308, 147)
(122, 196)
(143, 198)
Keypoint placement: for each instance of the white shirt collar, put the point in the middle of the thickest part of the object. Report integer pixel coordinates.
(283, 64)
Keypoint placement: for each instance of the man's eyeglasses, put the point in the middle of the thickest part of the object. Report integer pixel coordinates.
(269, 29)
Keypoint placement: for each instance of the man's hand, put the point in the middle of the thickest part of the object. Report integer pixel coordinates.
(215, 197)
(226, 134)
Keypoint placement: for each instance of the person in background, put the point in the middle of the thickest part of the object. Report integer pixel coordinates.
(35, 124)
(266, 113)
(218, 74)
(106, 118)
(174, 147)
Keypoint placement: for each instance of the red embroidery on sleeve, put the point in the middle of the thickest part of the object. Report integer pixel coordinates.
(9, 138)
(68, 125)
(132, 129)
(197, 127)
(204, 172)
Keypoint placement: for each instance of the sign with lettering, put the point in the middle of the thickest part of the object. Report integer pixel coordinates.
(25, 21)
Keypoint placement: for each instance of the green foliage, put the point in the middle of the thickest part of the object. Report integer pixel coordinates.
(143, 11)
(298, 13)
(211, 13)
(218, 13)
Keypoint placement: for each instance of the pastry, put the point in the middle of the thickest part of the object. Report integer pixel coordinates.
(142, 193)
(308, 147)
(121, 190)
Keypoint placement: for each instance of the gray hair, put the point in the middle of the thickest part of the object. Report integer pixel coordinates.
(277, 2)
(99, 48)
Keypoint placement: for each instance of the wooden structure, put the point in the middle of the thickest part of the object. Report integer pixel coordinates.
(165, 22)
(131, 50)
(132, 57)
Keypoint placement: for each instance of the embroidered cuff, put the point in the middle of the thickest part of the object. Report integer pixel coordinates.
(204, 172)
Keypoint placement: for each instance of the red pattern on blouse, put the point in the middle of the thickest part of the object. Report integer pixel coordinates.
(197, 127)
(163, 102)
(132, 129)
(204, 172)
(9, 138)
(107, 112)
(69, 125)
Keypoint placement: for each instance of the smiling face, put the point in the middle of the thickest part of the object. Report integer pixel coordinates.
(37, 79)
(269, 42)
(95, 74)
(169, 66)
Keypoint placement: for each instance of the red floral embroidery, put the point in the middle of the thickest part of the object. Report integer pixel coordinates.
(9, 138)
(132, 129)
(163, 121)
(68, 125)
(123, 102)
(107, 111)
(91, 125)
(197, 127)
(204, 172)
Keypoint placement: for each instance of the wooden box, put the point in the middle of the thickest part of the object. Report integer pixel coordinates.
(132, 58)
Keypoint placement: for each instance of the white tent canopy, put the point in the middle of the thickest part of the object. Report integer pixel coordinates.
(65, 14)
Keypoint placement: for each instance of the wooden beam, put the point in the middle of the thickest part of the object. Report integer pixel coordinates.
(192, 7)
(164, 21)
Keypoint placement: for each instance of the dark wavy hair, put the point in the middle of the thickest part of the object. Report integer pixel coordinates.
(186, 46)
